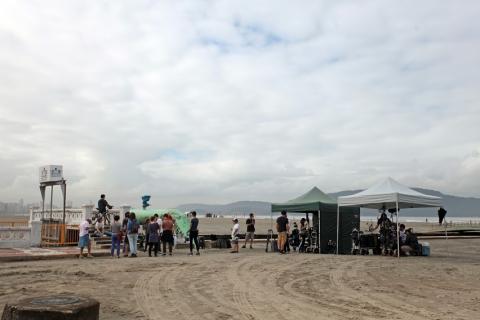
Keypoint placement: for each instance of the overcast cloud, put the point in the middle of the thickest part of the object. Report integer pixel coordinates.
(216, 101)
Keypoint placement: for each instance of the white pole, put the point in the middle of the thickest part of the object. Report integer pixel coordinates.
(338, 224)
(446, 234)
(271, 220)
(398, 232)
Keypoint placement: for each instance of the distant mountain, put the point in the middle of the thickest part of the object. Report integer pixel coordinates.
(236, 208)
(456, 206)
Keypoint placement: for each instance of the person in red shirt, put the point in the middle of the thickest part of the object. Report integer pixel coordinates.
(167, 235)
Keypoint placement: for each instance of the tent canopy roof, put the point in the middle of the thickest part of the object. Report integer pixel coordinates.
(310, 201)
(386, 193)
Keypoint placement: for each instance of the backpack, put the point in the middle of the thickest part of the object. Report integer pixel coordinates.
(135, 227)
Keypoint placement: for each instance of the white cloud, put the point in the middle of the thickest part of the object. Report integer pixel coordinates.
(221, 101)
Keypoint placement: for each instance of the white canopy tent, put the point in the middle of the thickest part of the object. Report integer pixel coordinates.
(388, 194)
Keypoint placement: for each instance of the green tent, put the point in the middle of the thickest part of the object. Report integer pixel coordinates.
(308, 202)
(324, 208)
(182, 223)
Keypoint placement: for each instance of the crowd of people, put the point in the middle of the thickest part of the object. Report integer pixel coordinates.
(157, 234)
(388, 237)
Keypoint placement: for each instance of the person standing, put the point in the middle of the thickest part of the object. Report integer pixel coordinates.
(167, 234)
(160, 231)
(125, 234)
(303, 234)
(282, 229)
(193, 233)
(84, 240)
(235, 233)
(147, 231)
(132, 233)
(116, 235)
(250, 234)
(153, 235)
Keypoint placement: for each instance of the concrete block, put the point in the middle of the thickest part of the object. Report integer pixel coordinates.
(36, 234)
(60, 307)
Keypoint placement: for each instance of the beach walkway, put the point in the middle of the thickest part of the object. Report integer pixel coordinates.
(30, 254)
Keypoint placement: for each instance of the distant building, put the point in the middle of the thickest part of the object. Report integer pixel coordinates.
(13, 208)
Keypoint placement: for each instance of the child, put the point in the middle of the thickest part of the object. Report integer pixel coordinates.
(235, 232)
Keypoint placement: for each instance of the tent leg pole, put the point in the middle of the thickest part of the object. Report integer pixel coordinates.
(271, 220)
(338, 226)
(446, 234)
(398, 233)
(318, 242)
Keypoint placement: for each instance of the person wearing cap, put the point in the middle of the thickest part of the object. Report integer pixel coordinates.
(235, 233)
(84, 240)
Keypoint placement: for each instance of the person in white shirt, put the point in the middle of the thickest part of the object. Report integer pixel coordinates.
(99, 225)
(84, 240)
(235, 233)
(160, 231)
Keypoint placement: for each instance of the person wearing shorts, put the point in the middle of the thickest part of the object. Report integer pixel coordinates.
(250, 234)
(235, 233)
(84, 239)
(282, 229)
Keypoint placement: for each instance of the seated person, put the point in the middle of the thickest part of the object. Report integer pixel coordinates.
(410, 246)
(295, 237)
(99, 226)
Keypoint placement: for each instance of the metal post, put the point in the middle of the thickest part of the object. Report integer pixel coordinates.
(271, 220)
(398, 232)
(64, 192)
(446, 234)
(318, 242)
(51, 202)
(338, 224)
(43, 201)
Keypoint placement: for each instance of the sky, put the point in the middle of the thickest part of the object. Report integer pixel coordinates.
(218, 101)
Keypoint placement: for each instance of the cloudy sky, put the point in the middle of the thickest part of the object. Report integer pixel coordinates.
(216, 101)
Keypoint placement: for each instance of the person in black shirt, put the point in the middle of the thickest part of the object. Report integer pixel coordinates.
(103, 205)
(384, 223)
(250, 235)
(282, 228)
(193, 233)
(126, 246)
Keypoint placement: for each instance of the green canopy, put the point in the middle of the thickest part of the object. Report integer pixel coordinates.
(309, 202)
(182, 223)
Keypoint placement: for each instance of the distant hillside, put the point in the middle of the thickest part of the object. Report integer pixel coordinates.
(235, 208)
(456, 206)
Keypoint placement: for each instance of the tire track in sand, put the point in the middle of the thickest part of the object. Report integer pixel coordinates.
(381, 304)
(181, 291)
(267, 297)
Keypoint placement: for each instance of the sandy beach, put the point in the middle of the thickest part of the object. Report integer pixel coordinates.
(224, 225)
(258, 285)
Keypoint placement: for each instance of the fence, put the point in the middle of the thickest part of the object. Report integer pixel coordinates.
(54, 234)
(14, 222)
